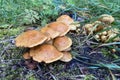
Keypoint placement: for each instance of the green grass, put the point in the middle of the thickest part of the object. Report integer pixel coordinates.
(43, 11)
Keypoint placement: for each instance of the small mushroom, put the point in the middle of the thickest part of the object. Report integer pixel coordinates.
(88, 28)
(113, 50)
(74, 26)
(97, 36)
(45, 53)
(26, 55)
(104, 33)
(60, 27)
(106, 18)
(62, 43)
(66, 57)
(30, 39)
(103, 38)
(99, 26)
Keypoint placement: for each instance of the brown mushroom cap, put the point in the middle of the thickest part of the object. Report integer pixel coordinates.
(106, 18)
(65, 19)
(99, 25)
(88, 28)
(66, 57)
(68, 21)
(60, 27)
(62, 43)
(26, 55)
(46, 53)
(50, 32)
(30, 39)
(103, 38)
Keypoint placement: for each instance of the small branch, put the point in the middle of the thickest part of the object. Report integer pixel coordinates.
(108, 44)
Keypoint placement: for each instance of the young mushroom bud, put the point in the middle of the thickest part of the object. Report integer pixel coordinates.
(74, 26)
(97, 37)
(26, 55)
(88, 28)
(103, 38)
(66, 57)
(104, 33)
(113, 50)
(99, 26)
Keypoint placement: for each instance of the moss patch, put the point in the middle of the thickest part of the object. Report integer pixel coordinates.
(10, 32)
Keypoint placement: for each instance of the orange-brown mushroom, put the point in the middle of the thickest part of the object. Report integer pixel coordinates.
(68, 21)
(26, 55)
(66, 57)
(65, 19)
(106, 18)
(62, 43)
(60, 27)
(74, 26)
(88, 28)
(45, 53)
(50, 32)
(30, 39)
(99, 26)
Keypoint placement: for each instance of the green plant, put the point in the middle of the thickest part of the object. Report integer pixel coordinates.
(28, 17)
(89, 77)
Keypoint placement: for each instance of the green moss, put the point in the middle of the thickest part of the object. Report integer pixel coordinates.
(31, 77)
(10, 32)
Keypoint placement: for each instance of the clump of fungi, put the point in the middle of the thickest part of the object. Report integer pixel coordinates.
(50, 43)
(104, 22)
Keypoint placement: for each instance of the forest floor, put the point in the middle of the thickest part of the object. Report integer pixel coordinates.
(92, 60)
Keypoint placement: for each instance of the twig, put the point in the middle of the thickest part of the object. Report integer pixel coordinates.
(108, 44)
(54, 78)
(113, 77)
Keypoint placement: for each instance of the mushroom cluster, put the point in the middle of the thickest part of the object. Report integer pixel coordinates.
(50, 43)
(103, 23)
